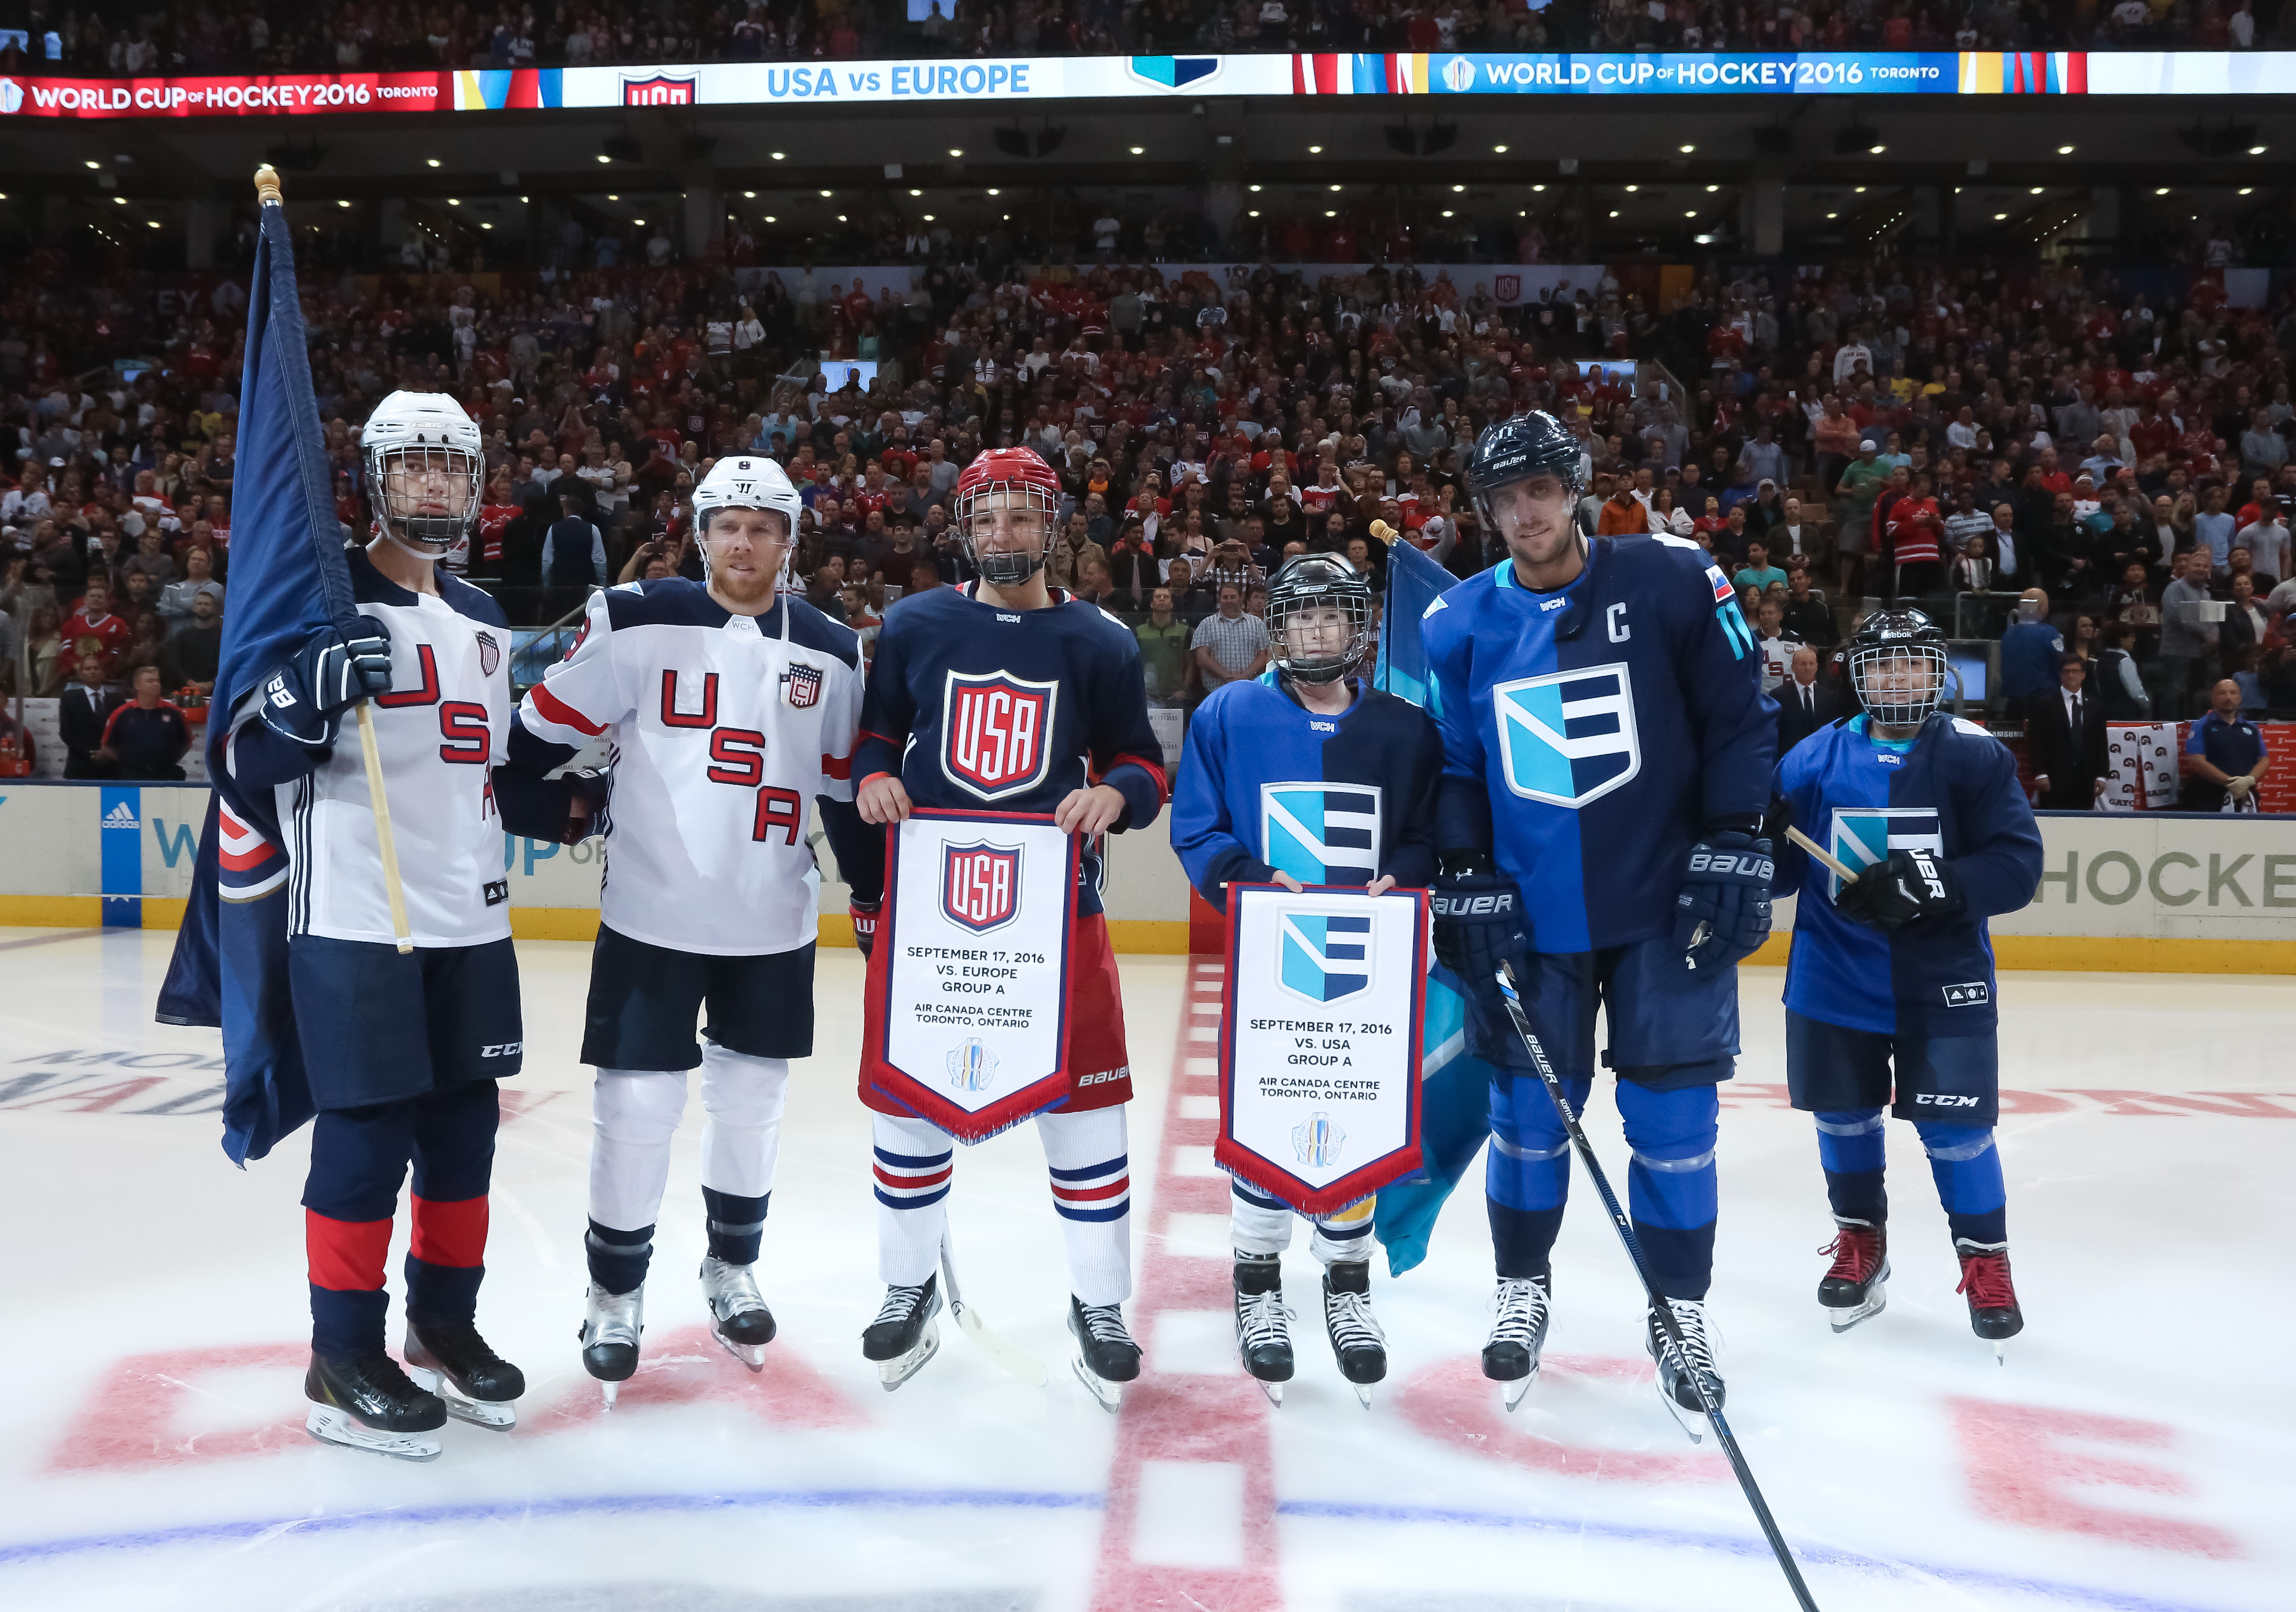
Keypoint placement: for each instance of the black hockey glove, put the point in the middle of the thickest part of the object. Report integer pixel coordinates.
(332, 672)
(1479, 923)
(1911, 886)
(1723, 911)
(865, 927)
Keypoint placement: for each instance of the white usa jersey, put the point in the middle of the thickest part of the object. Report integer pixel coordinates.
(440, 731)
(724, 728)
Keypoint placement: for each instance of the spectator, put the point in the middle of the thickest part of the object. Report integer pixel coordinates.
(2266, 539)
(2188, 632)
(2029, 650)
(190, 657)
(2225, 757)
(1230, 646)
(2119, 687)
(1164, 659)
(1805, 703)
(176, 601)
(1758, 571)
(84, 707)
(2065, 739)
(1771, 643)
(1804, 616)
(93, 630)
(145, 738)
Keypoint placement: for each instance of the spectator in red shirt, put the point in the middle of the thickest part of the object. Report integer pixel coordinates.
(94, 629)
(146, 738)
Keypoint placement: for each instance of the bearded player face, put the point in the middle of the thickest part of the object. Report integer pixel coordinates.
(747, 548)
(1535, 517)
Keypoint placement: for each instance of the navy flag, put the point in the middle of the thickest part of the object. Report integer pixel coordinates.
(289, 580)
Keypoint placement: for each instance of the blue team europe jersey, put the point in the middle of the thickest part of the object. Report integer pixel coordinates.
(977, 708)
(1268, 784)
(1954, 792)
(1605, 724)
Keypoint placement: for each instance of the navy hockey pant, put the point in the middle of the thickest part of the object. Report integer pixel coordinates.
(358, 1158)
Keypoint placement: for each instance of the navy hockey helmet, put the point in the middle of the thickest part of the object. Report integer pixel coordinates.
(1532, 444)
(1308, 645)
(1897, 664)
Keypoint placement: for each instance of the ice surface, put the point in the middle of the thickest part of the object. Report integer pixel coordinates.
(2131, 1454)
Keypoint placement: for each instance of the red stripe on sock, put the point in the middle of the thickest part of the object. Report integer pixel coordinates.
(345, 1254)
(912, 1183)
(1122, 1184)
(450, 1233)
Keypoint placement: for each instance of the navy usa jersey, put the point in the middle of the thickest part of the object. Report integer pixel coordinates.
(981, 709)
(1952, 791)
(1268, 784)
(1590, 734)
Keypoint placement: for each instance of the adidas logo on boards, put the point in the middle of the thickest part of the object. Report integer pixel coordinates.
(121, 816)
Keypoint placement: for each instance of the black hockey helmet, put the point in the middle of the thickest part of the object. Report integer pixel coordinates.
(1886, 639)
(1318, 582)
(1532, 444)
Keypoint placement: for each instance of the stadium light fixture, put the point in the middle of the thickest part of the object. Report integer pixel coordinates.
(2248, 190)
(2038, 190)
(1688, 149)
(1712, 188)
(1614, 212)
(1692, 213)
(1632, 189)
(1335, 189)
(154, 223)
(746, 196)
(1329, 213)
(994, 192)
(484, 225)
(602, 157)
(637, 221)
(1255, 212)
(840, 218)
(1255, 190)
(92, 162)
(1448, 213)
(2000, 217)
(779, 156)
(929, 217)
(453, 201)
(1860, 190)
(916, 192)
(613, 198)
(826, 195)
(1313, 150)
(343, 204)
(122, 201)
(2161, 191)
(2256, 150)
(1458, 190)
(1536, 188)
(1139, 150)
(2064, 150)
(955, 152)
(771, 219)
(1499, 149)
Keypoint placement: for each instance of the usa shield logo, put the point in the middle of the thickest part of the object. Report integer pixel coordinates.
(1510, 287)
(490, 653)
(980, 886)
(662, 89)
(1324, 958)
(801, 685)
(1864, 836)
(1321, 833)
(997, 733)
(1569, 737)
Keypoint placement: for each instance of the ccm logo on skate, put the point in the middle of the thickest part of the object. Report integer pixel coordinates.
(1943, 1099)
(1975, 995)
(502, 1049)
(1105, 1076)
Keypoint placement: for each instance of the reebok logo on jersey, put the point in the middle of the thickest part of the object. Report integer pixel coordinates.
(1976, 994)
(1943, 1099)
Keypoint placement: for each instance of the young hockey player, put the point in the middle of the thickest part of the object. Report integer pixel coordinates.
(1006, 696)
(1303, 776)
(402, 1051)
(1608, 749)
(1891, 983)
(730, 711)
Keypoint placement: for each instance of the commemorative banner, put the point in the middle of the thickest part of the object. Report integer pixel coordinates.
(1320, 1033)
(974, 1008)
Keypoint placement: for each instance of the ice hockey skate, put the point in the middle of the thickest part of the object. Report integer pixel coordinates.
(1263, 1328)
(1994, 1314)
(479, 1386)
(1676, 1385)
(1511, 1357)
(369, 1403)
(1358, 1343)
(1106, 1358)
(611, 1326)
(905, 1335)
(1857, 1286)
(739, 1318)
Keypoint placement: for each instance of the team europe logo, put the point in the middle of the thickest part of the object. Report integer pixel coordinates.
(997, 732)
(1321, 833)
(1324, 958)
(1569, 737)
(980, 886)
(1864, 836)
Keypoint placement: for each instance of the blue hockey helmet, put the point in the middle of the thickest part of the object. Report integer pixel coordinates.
(1532, 444)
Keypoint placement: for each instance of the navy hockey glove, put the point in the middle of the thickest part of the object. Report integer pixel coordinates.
(1480, 923)
(865, 927)
(1723, 911)
(329, 674)
(1911, 886)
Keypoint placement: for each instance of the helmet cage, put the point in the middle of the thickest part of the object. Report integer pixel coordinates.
(1896, 708)
(412, 464)
(1351, 598)
(1004, 568)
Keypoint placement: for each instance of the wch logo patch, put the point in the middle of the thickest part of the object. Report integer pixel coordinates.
(1569, 737)
(1864, 836)
(1324, 958)
(980, 886)
(997, 732)
(1321, 833)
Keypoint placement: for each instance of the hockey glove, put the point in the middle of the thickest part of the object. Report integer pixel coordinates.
(1723, 911)
(864, 926)
(1479, 923)
(330, 674)
(1911, 886)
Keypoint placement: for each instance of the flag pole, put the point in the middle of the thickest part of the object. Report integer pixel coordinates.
(267, 193)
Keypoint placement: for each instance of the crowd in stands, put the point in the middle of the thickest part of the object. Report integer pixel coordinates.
(1958, 435)
(348, 35)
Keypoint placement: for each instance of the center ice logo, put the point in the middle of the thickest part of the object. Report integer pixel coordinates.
(997, 732)
(1569, 737)
(1864, 836)
(979, 886)
(1322, 958)
(1320, 833)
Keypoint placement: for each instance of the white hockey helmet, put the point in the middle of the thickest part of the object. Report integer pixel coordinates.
(744, 482)
(411, 435)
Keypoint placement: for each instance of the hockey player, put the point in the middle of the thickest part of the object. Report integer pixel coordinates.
(1066, 732)
(1892, 976)
(1608, 749)
(402, 1051)
(1304, 776)
(729, 711)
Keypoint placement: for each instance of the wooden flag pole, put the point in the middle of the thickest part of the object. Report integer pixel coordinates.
(1838, 869)
(267, 192)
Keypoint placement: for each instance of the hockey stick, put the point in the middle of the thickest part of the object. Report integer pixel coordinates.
(383, 841)
(1026, 1367)
(1660, 1308)
(1832, 864)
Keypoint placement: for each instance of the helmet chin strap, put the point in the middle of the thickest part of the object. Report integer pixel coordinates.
(392, 536)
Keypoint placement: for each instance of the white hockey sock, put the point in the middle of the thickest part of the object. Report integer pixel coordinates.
(1345, 1236)
(741, 1143)
(1091, 1190)
(633, 1114)
(1257, 1223)
(914, 1161)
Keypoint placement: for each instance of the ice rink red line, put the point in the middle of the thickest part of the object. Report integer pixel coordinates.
(1222, 1419)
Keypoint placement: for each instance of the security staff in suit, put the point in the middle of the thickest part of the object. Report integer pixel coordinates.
(1805, 703)
(86, 706)
(2066, 735)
